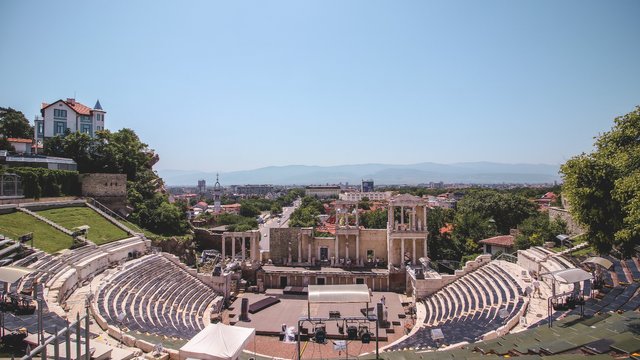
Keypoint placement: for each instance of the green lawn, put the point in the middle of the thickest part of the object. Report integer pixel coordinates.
(45, 237)
(101, 230)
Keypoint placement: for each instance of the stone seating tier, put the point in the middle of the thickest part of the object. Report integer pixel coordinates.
(157, 297)
(468, 308)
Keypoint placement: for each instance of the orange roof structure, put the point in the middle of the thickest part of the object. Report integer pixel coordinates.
(18, 140)
(501, 240)
(79, 108)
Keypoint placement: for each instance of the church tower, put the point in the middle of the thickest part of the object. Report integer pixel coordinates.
(217, 195)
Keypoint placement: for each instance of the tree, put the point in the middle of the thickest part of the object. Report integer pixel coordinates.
(122, 152)
(603, 187)
(364, 204)
(505, 209)
(13, 124)
(469, 228)
(376, 219)
(304, 217)
(442, 246)
(248, 209)
(538, 229)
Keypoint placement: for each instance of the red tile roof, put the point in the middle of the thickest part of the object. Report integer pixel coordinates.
(17, 140)
(502, 240)
(79, 108)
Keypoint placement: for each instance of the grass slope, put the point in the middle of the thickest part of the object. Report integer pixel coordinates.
(45, 237)
(101, 230)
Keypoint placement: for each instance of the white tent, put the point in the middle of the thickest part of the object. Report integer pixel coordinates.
(217, 342)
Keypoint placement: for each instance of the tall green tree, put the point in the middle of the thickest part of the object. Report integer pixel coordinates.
(376, 219)
(13, 124)
(538, 229)
(507, 210)
(442, 245)
(603, 187)
(122, 152)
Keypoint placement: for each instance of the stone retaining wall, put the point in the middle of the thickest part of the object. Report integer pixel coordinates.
(422, 288)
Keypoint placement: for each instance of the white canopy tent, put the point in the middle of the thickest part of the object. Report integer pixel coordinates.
(570, 276)
(605, 263)
(217, 342)
(356, 293)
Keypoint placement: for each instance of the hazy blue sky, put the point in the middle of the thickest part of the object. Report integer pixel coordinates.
(245, 84)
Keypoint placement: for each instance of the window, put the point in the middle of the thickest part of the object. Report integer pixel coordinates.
(85, 128)
(85, 118)
(40, 128)
(59, 127)
(59, 113)
(100, 117)
(370, 255)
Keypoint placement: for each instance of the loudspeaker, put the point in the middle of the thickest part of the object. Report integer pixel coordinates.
(380, 314)
(244, 309)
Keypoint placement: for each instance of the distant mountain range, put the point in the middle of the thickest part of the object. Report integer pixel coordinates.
(382, 174)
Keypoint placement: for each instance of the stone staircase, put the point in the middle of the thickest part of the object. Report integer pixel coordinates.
(44, 219)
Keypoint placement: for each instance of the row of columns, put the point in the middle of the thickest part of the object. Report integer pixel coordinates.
(336, 248)
(414, 226)
(402, 250)
(253, 246)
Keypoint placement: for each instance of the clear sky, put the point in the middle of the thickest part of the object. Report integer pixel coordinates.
(237, 85)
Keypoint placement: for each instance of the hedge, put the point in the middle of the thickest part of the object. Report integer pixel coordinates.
(41, 182)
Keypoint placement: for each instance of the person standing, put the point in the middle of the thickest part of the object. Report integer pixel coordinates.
(536, 287)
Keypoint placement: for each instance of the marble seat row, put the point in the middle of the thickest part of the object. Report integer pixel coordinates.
(156, 297)
(468, 308)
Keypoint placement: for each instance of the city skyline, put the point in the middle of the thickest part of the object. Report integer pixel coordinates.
(228, 87)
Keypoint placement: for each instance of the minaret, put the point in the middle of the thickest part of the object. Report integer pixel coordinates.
(217, 194)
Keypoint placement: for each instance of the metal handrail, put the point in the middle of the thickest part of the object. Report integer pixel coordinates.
(112, 213)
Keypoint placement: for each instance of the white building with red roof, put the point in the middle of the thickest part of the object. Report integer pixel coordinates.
(69, 114)
(504, 243)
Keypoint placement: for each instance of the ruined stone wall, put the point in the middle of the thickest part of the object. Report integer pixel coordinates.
(573, 227)
(279, 239)
(108, 189)
(104, 185)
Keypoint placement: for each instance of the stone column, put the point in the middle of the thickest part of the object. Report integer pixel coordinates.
(346, 248)
(252, 247)
(299, 248)
(402, 253)
(402, 215)
(414, 226)
(425, 248)
(424, 215)
(389, 249)
(224, 243)
(357, 249)
(309, 256)
(413, 257)
(337, 258)
(233, 248)
(243, 247)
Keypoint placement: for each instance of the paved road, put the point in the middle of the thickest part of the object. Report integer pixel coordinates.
(276, 222)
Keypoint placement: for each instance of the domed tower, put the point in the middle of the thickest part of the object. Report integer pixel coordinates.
(217, 195)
